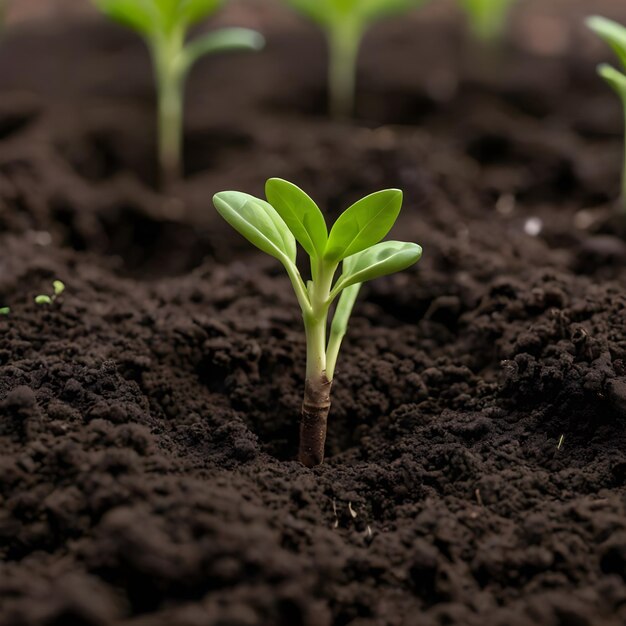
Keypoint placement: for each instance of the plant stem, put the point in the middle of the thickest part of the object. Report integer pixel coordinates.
(315, 408)
(343, 42)
(339, 326)
(170, 131)
(316, 402)
(623, 196)
(170, 80)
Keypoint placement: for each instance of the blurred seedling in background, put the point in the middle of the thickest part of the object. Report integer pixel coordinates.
(487, 18)
(345, 22)
(164, 25)
(615, 35)
(290, 215)
(57, 289)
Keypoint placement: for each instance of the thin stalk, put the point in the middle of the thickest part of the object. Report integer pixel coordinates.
(344, 41)
(170, 84)
(339, 327)
(316, 401)
(623, 196)
(315, 329)
(170, 131)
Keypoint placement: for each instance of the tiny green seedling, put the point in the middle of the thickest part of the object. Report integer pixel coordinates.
(487, 17)
(57, 289)
(291, 216)
(615, 35)
(345, 23)
(5, 310)
(164, 24)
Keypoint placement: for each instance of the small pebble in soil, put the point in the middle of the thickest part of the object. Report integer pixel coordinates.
(583, 219)
(42, 238)
(533, 226)
(506, 204)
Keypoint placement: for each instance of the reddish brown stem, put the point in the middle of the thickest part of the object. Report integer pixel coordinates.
(315, 408)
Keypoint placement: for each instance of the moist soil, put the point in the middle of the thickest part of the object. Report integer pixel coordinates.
(475, 465)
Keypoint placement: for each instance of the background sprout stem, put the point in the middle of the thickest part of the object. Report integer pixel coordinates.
(345, 22)
(622, 199)
(164, 25)
(173, 59)
(170, 86)
(344, 42)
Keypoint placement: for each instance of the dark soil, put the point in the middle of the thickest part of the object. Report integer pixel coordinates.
(476, 463)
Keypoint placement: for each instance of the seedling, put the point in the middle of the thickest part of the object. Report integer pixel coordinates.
(5, 310)
(57, 289)
(615, 35)
(164, 24)
(290, 215)
(487, 17)
(345, 23)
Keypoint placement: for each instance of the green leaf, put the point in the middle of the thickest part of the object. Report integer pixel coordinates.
(614, 78)
(372, 10)
(488, 17)
(301, 214)
(140, 15)
(382, 259)
(223, 40)
(613, 33)
(193, 11)
(183, 13)
(362, 225)
(258, 222)
(151, 17)
(329, 12)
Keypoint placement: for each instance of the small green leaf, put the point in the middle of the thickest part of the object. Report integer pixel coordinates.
(43, 299)
(182, 13)
(384, 258)
(140, 15)
(223, 40)
(329, 12)
(150, 17)
(612, 33)
(258, 222)
(614, 78)
(301, 214)
(5, 310)
(193, 11)
(362, 225)
(58, 287)
(487, 17)
(377, 9)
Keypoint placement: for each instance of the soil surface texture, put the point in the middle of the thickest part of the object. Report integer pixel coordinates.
(476, 463)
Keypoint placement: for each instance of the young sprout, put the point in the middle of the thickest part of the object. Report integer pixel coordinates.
(487, 17)
(615, 35)
(57, 289)
(5, 310)
(345, 22)
(290, 215)
(163, 24)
